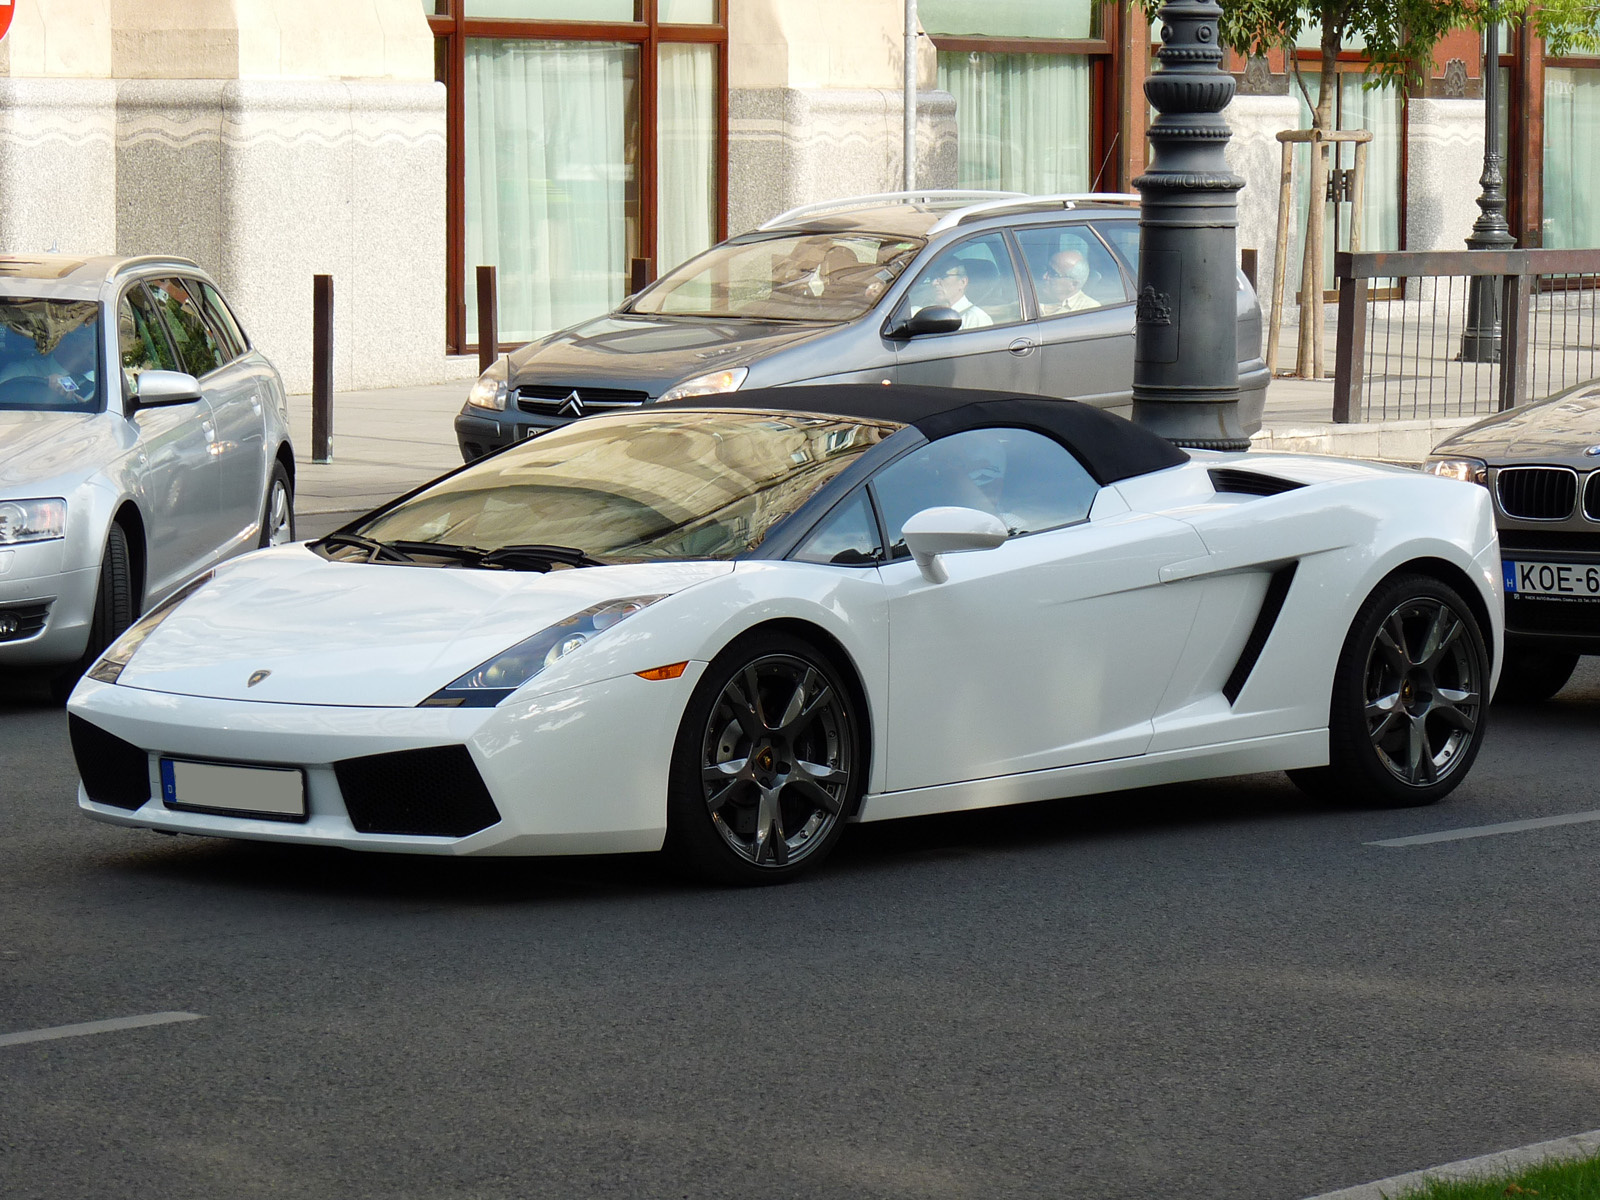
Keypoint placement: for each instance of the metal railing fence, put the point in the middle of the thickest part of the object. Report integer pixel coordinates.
(1400, 353)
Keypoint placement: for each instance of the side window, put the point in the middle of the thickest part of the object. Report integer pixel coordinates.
(141, 343)
(976, 279)
(198, 348)
(1072, 271)
(1124, 238)
(847, 537)
(1028, 481)
(221, 319)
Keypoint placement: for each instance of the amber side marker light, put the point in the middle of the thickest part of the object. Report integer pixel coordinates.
(667, 672)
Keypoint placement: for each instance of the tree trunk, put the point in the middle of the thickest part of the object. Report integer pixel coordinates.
(1309, 358)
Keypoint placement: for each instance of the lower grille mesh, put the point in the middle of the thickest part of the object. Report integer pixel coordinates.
(114, 772)
(432, 792)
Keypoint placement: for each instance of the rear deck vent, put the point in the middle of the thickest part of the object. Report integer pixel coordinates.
(114, 772)
(1537, 493)
(432, 792)
(1250, 483)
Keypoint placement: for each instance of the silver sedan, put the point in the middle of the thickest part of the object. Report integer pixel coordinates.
(142, 439)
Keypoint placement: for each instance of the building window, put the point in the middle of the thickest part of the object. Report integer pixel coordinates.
(1571, 167)
(587, 142)
(1029, 78)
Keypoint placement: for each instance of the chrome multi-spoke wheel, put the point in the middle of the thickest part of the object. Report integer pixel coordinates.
(773, 736)
(1409, 698)
(277, 518)
(1424, 690)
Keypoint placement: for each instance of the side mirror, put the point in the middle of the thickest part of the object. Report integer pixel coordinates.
(157, 389)
(933, 319)
(936, 531)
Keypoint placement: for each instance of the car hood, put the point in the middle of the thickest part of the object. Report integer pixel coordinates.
(367, 635)
(45, 446)
(1557, 430)
(651, 354)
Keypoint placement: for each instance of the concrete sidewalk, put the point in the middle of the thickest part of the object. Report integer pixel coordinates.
(389, 440)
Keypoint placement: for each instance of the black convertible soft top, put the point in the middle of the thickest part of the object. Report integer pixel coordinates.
(1109, 447)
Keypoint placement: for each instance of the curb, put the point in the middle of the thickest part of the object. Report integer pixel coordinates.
(1578, 1145)
(1385, 441)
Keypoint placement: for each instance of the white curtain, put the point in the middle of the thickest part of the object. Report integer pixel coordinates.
(1022, 120)
(686, 153)
(1571, 157)
(1009, 18)
(551, 167)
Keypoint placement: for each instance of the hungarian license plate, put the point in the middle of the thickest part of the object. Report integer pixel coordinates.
(1577, 581)
(276, 793)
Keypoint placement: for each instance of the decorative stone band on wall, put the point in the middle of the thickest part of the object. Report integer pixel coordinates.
(57, 165)
(789, 146)
(268, 183)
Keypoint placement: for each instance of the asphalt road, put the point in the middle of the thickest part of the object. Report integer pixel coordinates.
(1201, 991)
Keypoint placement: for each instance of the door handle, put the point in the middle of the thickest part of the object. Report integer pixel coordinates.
(1023, 346)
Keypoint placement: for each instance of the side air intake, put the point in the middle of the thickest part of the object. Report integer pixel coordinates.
(114, 772)
(1250, 483)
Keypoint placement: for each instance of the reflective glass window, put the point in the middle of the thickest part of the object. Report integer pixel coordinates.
(222, 320)
(976, 279)
(141, 341)
(199, 349)
(555, 10)
(1070, 268)
(49, 354)
(846, 537)
(1028, 481)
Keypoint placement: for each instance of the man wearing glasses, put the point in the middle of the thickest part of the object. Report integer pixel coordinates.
(950, 290)
(1061, 289)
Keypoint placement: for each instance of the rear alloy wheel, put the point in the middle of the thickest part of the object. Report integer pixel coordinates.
(114, 610)
(1532, 676)
(277, 515)
(767, 765)
(1409, 701)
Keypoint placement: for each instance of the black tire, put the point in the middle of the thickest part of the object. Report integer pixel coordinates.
(1409, 699)
(114, 610)
(277, 513)
(734, 770)
(1533, 676)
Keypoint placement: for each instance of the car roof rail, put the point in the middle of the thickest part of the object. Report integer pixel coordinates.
(1065, 200)
(884, 199)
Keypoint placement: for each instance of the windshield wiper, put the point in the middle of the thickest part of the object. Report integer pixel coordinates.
(538, 557)
(376, 551)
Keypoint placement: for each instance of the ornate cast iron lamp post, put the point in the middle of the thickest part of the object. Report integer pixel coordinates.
(1480, 341)
(1186, 363)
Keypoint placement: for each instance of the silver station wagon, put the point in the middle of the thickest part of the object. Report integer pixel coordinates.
(991, 290)
(142, 440)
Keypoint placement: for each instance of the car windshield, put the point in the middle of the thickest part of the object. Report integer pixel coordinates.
(49, 354)
(783, 277)
(628, 488)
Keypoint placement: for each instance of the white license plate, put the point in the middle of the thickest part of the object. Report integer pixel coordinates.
(278, 793)
(1579, 581)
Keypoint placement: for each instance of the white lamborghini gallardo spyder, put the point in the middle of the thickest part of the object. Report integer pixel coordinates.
(729, 627)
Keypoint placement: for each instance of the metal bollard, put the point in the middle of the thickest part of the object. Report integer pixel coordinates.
(322, 368)
(488, 319)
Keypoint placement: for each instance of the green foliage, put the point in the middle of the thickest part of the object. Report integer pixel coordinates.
(1578, 1180)
(1399, 34)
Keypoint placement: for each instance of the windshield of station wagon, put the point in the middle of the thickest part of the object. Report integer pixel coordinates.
(785, 277)
(49, 355)
(629, 489)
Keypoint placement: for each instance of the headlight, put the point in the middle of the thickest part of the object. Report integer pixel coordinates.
(491, 389)
(32, 521)
(489, 683)
(1468, 470)
(111, 663)
(708, 385)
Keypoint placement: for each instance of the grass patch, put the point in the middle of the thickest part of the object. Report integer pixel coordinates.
(1575, 1180)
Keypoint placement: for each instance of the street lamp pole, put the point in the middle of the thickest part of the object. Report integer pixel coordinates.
(1480, 340)
(1186, 361)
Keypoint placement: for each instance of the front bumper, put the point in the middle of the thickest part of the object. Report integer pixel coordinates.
(480, 431)
(580, 771)
(33, 576)
(1569, 625)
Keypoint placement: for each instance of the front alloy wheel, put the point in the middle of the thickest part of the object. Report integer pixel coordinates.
(1409, 699)
(766, 768)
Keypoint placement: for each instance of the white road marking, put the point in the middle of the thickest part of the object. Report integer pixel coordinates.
(88, 1027)
(1477, 831)
(1506, 1162)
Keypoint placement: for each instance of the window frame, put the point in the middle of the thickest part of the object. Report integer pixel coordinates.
(161, 330)
(452, 28)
